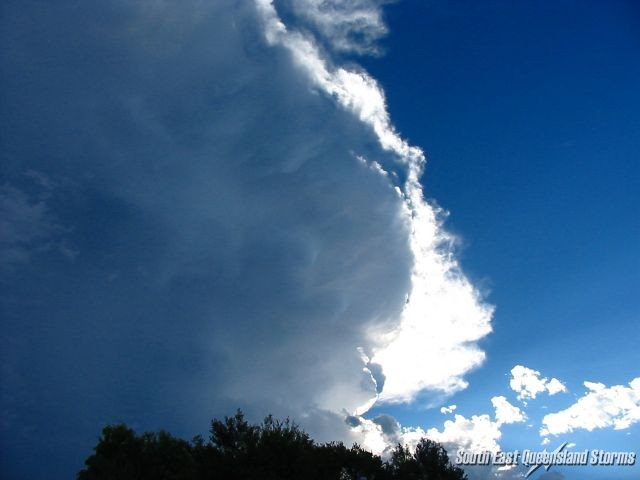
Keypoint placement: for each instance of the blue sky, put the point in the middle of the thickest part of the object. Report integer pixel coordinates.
(528, 115)
(221, 205)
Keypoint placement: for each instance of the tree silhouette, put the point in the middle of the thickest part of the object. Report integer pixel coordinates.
(272, 450)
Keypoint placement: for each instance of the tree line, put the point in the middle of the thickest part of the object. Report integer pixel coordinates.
(272, 450)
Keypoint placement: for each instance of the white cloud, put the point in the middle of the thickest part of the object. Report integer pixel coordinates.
(371, 436)
(449, 409)
(356, 91)
(477, 433)
(601, 407)
(505, 412)
(480, 432)
(444, 315)
(554, 386)
(528, 383)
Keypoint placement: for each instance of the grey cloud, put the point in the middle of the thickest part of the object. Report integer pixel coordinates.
(389, 425)
(233, 251)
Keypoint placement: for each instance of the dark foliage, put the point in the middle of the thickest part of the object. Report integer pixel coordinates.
(274, 450)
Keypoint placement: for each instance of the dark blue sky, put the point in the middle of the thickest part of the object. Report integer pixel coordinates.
(529, 117)
(529, 113)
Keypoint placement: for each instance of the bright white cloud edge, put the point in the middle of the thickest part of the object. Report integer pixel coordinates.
(444, 316)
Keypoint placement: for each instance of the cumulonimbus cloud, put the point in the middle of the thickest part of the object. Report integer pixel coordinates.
(238, 240)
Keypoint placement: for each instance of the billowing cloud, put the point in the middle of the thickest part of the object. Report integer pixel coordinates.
(479, 432)
(476, 433)
(231, 248)
(528, 383)
(238, 241)
(443, 316)
(617, 406)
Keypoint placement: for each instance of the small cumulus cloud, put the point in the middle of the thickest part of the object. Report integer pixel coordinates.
(477, 432)
(449, 409)
(529, 383)
(617, 406)
(505, 412)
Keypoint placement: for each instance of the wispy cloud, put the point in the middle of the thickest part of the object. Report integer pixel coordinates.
(28, 225)
(346, 25)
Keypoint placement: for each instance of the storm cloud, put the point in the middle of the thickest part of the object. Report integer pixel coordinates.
(198, 223)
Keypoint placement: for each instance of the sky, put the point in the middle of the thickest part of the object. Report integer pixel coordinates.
(385, 220)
